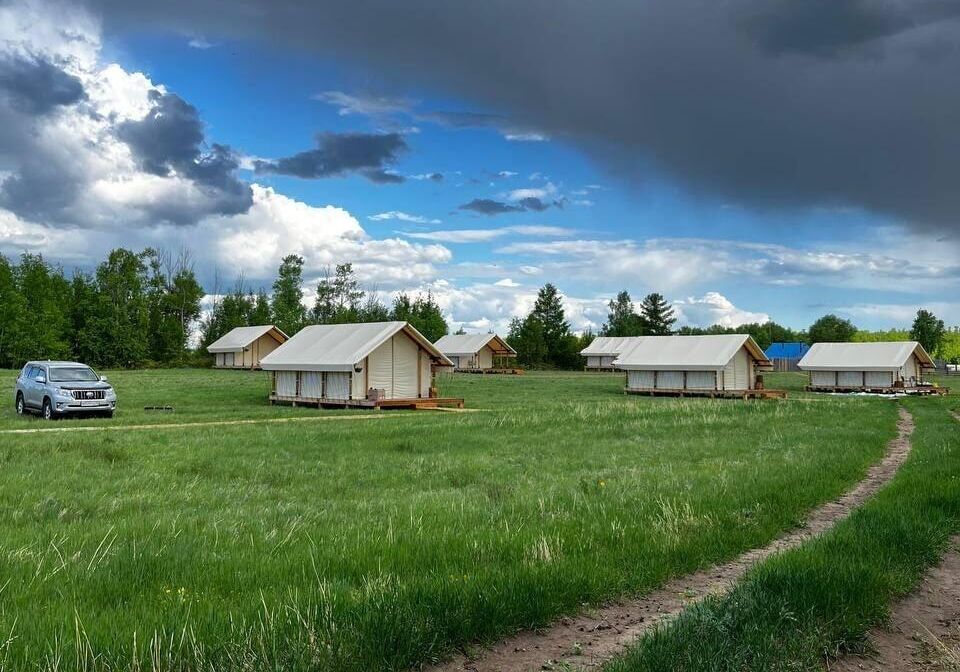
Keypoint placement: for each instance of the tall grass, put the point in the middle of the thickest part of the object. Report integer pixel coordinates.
(820, 600)
(363, 546)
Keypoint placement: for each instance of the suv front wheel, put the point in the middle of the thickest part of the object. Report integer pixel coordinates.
(48, 413)
(21, 409)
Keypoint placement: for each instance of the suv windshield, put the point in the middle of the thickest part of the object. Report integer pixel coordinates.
(73, 374)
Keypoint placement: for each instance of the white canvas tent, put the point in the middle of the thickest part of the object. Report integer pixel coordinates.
(341, 362)
(604, 349)
(245, 347)
(693, 364)
(474, 351)
(866, 366)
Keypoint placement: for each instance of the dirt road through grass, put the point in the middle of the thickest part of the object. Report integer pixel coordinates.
(589, 640)
(924, 629)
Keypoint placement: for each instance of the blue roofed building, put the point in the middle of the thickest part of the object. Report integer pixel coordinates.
(786, 356)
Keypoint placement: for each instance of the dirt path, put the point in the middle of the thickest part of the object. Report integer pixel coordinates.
(202, 423)
(586, 641)
(924, 629)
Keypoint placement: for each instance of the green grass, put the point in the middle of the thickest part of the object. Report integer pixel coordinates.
(821, 599)
(380, 545)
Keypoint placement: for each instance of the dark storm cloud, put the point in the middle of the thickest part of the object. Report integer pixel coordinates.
(36, 86)
(488, 206)
(338, 154)
(169, 140)
(765, 103)
(827, 27)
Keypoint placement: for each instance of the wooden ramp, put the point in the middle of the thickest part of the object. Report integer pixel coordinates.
(710, 394)
(415, 404)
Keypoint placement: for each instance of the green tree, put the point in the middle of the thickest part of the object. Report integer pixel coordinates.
(543, 338)
(260, 309)
(84, 305)
(121, 322)
(286, 304)
(831, 329)
(622, 320)
(12, 314)
(658, 316)
(928, 330)
(527, 338)
(372, 310)
(427, 318)
(44, 331)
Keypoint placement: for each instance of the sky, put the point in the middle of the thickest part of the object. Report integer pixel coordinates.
(750, 160)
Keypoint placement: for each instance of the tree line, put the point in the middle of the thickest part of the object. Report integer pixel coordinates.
(134, 309)
(340, 299)
(543, 338)
(141, 308)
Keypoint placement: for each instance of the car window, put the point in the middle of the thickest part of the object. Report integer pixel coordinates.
(27, 373)
(37, 371)
(73, 374)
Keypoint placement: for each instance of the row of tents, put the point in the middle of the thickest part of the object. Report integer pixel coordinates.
(385, 363)
(732, 362)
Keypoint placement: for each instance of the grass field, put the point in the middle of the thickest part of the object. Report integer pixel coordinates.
(819, 601)
(382, 544)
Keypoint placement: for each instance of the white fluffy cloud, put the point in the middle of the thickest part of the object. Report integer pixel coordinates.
(714, 308)
(277, 225)
(486, 235)
(403, 217)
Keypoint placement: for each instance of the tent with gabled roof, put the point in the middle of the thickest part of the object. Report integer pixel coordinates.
(245, 347)
(701, 364)
(474, 351)
(343, 362)
(866, 366)
(604, 349)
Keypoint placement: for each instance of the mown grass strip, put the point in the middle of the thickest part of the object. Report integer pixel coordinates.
(821, 599)
(188, 425)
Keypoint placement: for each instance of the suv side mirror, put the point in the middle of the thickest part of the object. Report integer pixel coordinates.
(42, 379)
(103, 379)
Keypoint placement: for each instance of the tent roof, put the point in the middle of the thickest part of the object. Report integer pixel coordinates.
(787, 350)
(470, 344)
(880, 356)
(340, 347)
(240, 337)
(609, 345)
(689, 353)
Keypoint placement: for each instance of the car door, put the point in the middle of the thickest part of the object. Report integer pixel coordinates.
(36, 387)
(27, 384)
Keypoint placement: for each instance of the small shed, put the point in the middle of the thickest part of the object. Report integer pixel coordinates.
(866, 367)
(373, 364)
(604, 349)
(724, 365)
(245, 347)
(786, 356)
(474, 352)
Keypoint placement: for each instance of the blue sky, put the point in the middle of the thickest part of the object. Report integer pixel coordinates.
(604, 220)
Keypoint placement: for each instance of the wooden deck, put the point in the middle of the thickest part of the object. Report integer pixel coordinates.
(493, 371)
(710, 394)
(415, 404)
(922, 391)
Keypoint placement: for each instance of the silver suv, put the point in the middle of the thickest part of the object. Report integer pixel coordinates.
(60, 388)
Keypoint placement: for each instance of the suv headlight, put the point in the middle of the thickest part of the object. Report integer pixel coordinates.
(60, 392)
(110, 394)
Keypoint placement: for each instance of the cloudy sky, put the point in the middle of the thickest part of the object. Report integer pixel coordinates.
(748, 158)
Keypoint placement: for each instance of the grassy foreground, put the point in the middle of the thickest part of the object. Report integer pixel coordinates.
(382, 544)
(821, 599)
